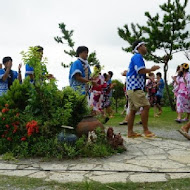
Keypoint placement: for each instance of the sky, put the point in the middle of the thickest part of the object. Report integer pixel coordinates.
(26, 23)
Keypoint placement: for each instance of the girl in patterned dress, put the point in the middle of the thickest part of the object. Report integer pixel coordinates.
(181, 90)
(96, 96)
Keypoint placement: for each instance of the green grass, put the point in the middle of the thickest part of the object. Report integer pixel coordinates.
(165, 121)
(30, 183)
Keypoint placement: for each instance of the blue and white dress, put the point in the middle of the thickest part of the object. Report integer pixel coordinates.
(79, 66)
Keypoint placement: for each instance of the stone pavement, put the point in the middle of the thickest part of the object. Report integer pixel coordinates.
(146, 160)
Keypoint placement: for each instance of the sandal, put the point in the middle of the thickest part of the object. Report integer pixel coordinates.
(135, 135)
(185, 120)
(123, 123)
(139, 123)
(178, 120)
(150, 135)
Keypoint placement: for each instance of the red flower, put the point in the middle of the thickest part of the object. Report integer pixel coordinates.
(9, 139)
(32, 127)
(17, 123)
(15, 127)
(6, 105)
(3, 136)
(4, 110)
(17, 115)
(7, 126)
(23, 139)
(3, 118)
(14, 131)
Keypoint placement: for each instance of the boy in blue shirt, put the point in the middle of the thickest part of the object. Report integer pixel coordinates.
(30, 70)
(79, 74)
(160, 92)
(136, 77)
(7, 76)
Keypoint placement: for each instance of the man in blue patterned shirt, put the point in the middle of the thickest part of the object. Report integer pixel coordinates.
(136, 78)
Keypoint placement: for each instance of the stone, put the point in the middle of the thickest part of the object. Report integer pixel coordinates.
(156, 163)
(110, 178)
(147, 177)
(20, 173)
(56, 167)
(179, 175)
(65, 177)
(39, 175)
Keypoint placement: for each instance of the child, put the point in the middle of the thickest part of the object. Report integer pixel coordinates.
(151, 89)
(181, 91)
(96, 91)
(159, 94)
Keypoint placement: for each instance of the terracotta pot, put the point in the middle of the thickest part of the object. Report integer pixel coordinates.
(89, 123)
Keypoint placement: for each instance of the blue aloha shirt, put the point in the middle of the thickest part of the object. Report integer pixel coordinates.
(134, 79)
(4, 84)
(29, 71)
(77, 67)
(160, 91)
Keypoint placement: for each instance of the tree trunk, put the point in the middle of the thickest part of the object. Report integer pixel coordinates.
(167, 87)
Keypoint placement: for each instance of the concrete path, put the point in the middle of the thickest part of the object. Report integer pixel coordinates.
(146, 160)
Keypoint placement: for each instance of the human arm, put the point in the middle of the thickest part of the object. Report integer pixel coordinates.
(19, 72)
(5, 76)
(145, 70)
(79, 78)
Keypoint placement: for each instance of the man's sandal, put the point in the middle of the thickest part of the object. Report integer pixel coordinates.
(123, 123)
(135, 135)
(150, 135)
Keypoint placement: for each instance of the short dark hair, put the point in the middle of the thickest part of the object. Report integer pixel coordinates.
(110, 73)
(39, 48)
(105, 75)
(159, 74)
(150, 74)
(136, 43)
(6, 59)
(97, 66)
(81, 49)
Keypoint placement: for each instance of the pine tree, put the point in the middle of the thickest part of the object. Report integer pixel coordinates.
(165, 34)
(66, 39)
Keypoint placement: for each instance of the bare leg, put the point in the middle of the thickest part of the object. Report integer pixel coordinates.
(188, 115)
(186, 127)
(155, 109)
(160, 109)
(144, 119)
(131, 122)
(126, 118)
(179, 116)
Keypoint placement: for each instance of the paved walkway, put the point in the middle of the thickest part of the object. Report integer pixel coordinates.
(146, 160)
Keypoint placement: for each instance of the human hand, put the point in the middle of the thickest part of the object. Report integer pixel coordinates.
(155, 67)
(174, 78)
(19, 66)
(124, 73)
(50, 76)
(94, 83)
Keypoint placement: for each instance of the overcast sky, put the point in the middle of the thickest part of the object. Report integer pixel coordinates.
(27, 23)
